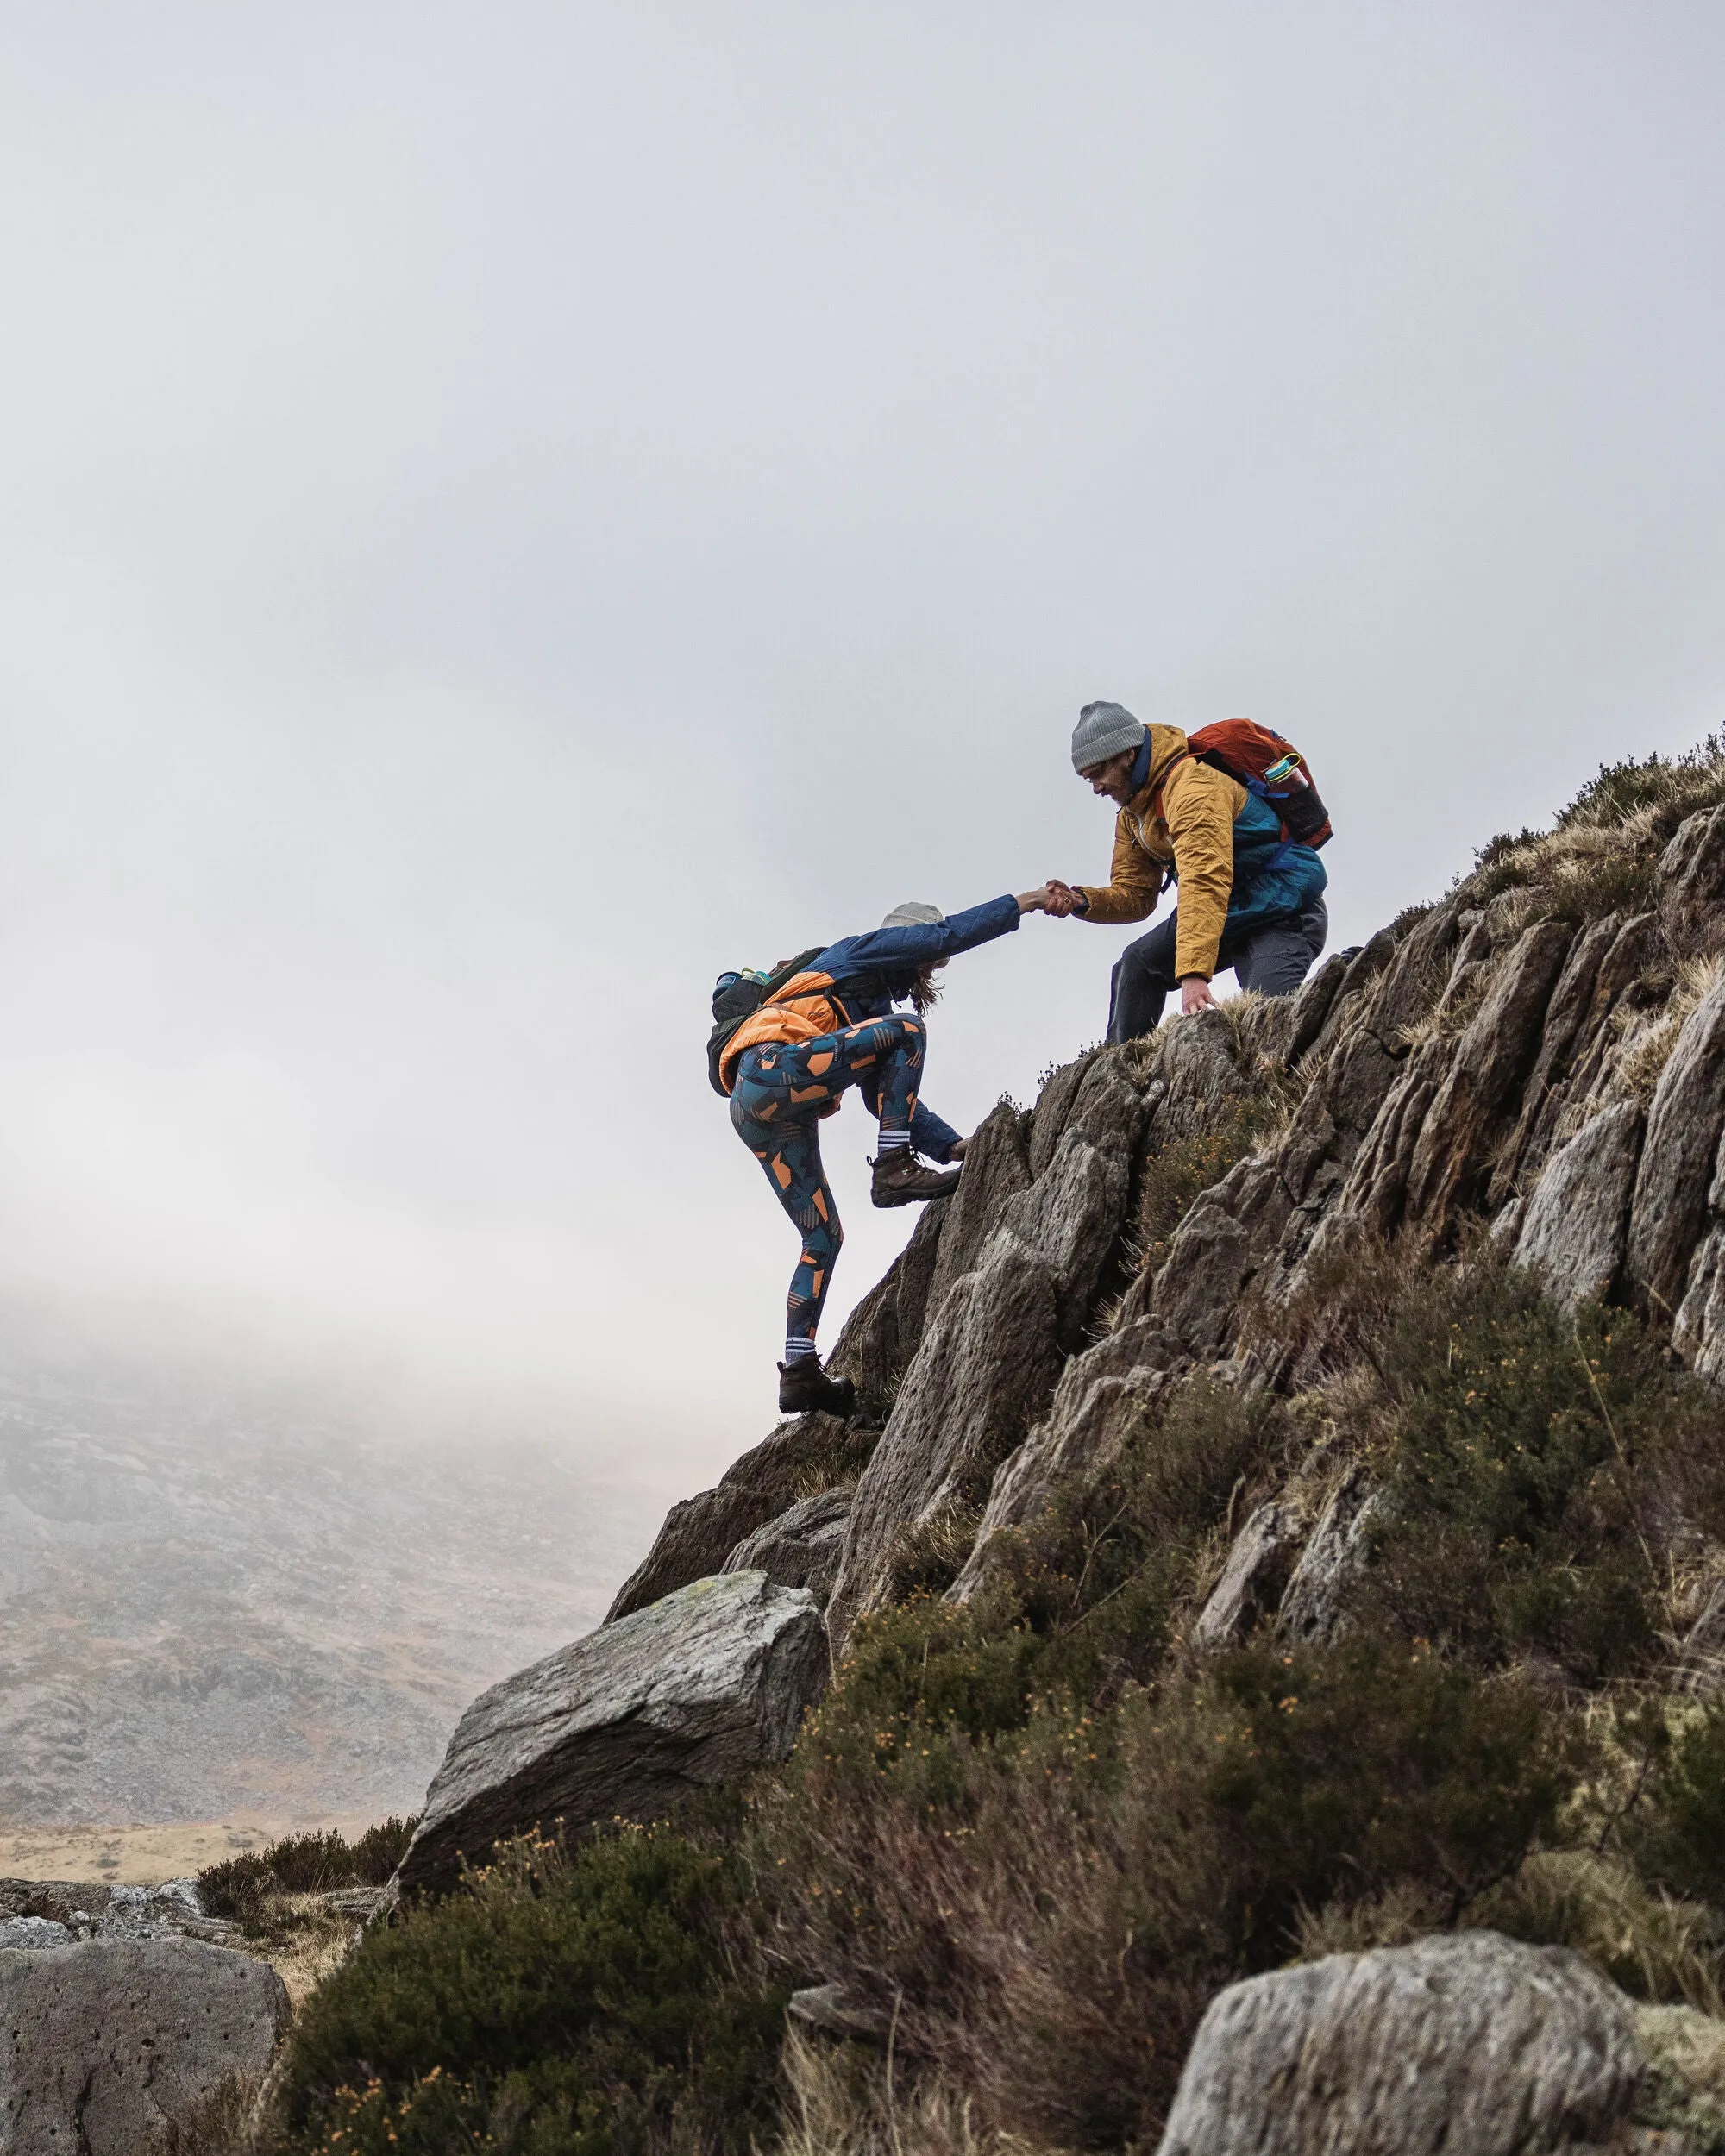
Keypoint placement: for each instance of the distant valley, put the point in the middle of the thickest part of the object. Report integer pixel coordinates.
(217, 1601)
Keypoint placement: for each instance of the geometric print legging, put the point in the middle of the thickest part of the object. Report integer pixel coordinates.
(779, 1093)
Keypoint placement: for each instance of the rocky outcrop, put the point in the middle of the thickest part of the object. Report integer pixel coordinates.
(113, 2046)
(63, 1911)
(801, 1547)
(812, 1453)
(1464, 2042)
(1104, 1396)
(1254, 1577)
(697, 1689)
(1314, 1606)
(1576, 1224)
(885, 1329)
(1691, 877)
(1675, 1176)
(985, 1370)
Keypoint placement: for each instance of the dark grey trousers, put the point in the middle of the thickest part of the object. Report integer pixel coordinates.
(1274, 961)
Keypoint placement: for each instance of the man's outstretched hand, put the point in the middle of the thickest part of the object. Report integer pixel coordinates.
(1195, 995)
(1042, 901)
(1062, 898)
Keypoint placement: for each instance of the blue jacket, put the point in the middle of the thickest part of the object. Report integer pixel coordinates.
(894, 956)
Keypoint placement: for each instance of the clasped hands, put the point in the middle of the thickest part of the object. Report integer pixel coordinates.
(1059, 900)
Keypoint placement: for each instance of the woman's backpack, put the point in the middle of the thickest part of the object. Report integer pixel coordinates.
(1266, 764)
(736, 996)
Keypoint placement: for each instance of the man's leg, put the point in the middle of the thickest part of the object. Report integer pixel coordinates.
(1278, 958)
(1143, 981)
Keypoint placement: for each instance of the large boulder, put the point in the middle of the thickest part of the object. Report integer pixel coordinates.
(809, 1453)
(113, 2046)
(695, 1690)
(1464, 2042)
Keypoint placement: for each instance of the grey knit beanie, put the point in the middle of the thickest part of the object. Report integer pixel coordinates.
(1103, 730)
(913, 913)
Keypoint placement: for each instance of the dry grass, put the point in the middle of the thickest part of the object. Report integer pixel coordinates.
(309, 1943)
(852, 2100)
(1396, 1917)
(1648, 1942)
(1648, 1039)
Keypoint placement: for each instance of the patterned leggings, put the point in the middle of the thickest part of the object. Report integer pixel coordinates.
(780, 1094)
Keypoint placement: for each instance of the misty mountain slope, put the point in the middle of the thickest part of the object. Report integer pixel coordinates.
(209, 1605)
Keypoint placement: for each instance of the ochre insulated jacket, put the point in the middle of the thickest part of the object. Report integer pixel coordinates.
(1226, 848)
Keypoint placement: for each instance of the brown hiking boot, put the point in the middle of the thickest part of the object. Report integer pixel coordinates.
(805, 1388)
(900, 1179)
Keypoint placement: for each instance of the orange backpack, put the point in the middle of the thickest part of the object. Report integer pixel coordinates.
(1266, 764)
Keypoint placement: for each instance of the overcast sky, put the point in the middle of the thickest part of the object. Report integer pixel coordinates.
(511, 510)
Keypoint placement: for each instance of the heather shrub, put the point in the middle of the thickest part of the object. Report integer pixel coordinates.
(1044, 1899)
(561, 2003)
(243, 1888)
(1173, 1178)
(1677, 1830)
(1098, 1577)
(1528, 1452)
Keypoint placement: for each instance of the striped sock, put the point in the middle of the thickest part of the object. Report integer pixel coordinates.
(796, 1347)
(895, 1141)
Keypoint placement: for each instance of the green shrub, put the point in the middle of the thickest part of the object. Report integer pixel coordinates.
(1527, 1448)
(241, 1888)
(1651, 1946)
(1622, 790)
(1677, 1832)
(1047, 1899)
(1172, 1179)
(1378, 1766)
(561, 2003)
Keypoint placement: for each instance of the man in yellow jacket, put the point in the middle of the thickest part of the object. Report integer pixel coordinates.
(1250, 896)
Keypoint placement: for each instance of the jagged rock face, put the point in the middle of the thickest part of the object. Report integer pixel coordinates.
(1577, 1224)
(985, 1370)
(801, 1547)
(1464, 2041)
(810, 1452)
(1692, 883)
(1103, 1397)
(1314, 1604)
(1478, 1060)
(698, 1689)
(1676, 1166)
(114, 2044)
(885, 1329)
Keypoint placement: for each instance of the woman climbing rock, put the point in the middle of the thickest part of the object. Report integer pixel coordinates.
(827, 1022)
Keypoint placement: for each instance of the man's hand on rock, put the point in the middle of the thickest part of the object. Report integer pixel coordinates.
(1195, 995)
